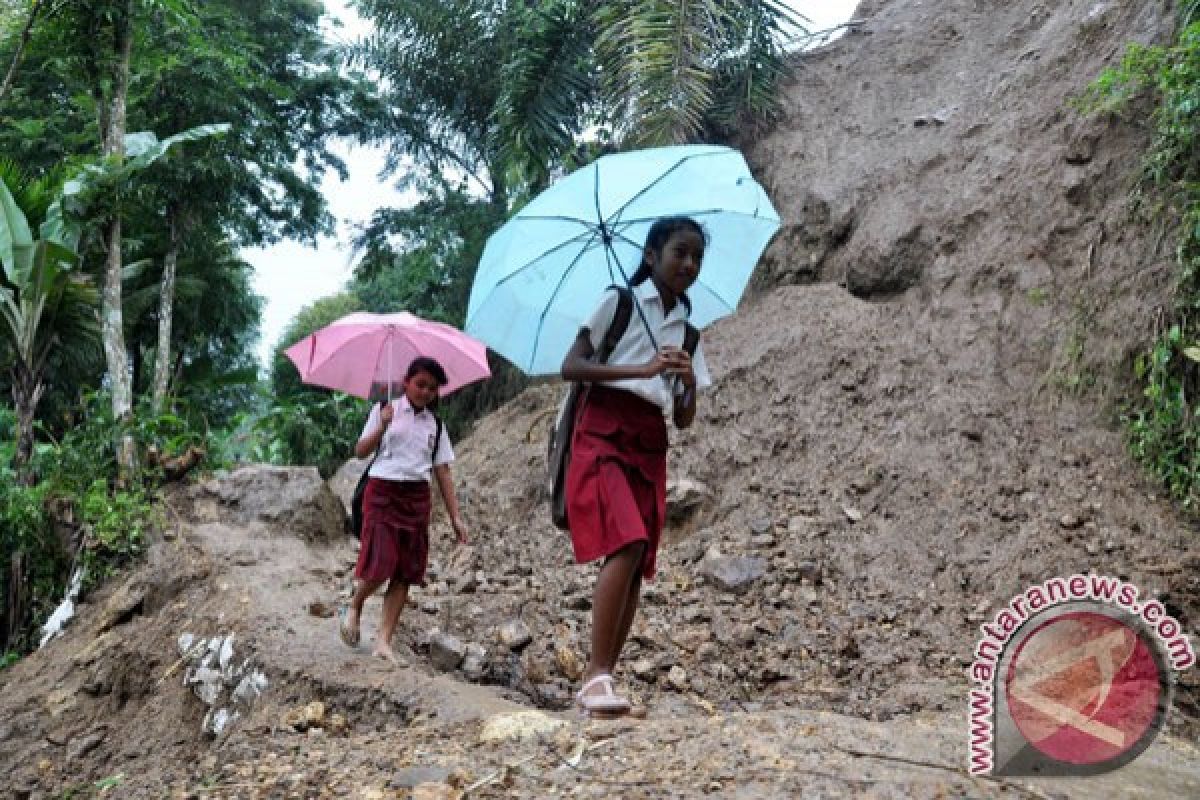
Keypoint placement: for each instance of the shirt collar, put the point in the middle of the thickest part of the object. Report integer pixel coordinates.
(404, 405)
(646, 291)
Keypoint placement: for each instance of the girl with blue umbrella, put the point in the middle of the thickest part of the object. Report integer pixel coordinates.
(616, 481)
(534, 301)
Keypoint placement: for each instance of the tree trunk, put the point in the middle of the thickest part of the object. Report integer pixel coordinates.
(15, 601)
(166, 305)
(113, 140)
(11, 75)
(26, 392)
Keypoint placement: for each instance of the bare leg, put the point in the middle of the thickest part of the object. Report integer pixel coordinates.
(393, 604)
(627, 615)
(362, 590)
(618, 579)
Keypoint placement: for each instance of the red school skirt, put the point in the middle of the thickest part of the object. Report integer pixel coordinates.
(395, 532)
(617, 479)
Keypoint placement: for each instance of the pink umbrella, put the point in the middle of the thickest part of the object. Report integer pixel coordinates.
(360, 352)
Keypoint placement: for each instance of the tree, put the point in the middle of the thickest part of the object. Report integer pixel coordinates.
(440, 66)
(265, 68)
(285, 380)
(675, 71)
(501, 91)
(104, 34)
(44, 300)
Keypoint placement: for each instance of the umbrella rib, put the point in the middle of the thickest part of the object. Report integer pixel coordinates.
(705, 212)
(713, 294)
(616, 215)
(553, 218)
(631, 242)
(537, 340)
(561, 245)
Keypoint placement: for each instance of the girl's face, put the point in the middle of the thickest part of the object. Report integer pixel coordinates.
(421, 389)
(678, 265)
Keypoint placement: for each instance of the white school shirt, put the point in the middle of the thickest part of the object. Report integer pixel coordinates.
(405, 454)
(635, 347)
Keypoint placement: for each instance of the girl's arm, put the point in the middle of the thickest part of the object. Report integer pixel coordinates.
(446, 486)
(369, 443)
(577, 365)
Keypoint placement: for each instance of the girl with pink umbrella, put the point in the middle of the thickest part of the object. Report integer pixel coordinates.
(356, 354)
(410, 443)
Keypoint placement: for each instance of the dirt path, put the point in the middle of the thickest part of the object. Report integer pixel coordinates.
(94, 707)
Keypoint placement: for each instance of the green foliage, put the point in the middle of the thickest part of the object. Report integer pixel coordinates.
(422, 259)
(679, 70)
(117, 523)
(1163, 427)
(27, 537)
(264, 69)
(285, 379)
(502, 92)
(1163, 432)
(45, 303)
(319, 432)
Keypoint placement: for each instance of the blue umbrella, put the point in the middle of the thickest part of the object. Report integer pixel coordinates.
(544, 271)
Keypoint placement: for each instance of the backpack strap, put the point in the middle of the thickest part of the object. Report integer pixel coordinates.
(378, 447)
(619, 324)
(437, 439)
(691, 339)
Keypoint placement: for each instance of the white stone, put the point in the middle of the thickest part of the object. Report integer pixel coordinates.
(519, 725)
(217, 720)
(184, 643)
(250, 688)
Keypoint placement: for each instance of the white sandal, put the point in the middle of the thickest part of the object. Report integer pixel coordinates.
(609, 702)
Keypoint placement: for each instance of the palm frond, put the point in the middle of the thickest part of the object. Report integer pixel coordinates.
(1189, 12)
(681, 68)
(548, 80)
(425, 56)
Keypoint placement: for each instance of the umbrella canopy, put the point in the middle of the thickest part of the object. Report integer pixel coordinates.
(543, 272)
(360, 352)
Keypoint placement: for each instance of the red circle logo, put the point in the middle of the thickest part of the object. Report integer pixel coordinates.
(1083, 688)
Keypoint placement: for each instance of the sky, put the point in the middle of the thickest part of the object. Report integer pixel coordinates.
(290, 276)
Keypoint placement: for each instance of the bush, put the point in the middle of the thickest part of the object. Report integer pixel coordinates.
(314, 431)
(116, 525)
(27, 537)
(1162, 423)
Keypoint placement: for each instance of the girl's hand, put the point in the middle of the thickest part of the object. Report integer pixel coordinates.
(679, 363)
(385, 415)
(656, 366)
(460, 529)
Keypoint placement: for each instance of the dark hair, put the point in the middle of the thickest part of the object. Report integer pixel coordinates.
(430, 365)
(656, 240)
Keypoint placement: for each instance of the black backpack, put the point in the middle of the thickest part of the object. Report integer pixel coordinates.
(356, 502)
(558, 449)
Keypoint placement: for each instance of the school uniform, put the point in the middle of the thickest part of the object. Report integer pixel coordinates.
(617, 479)
(397, 502)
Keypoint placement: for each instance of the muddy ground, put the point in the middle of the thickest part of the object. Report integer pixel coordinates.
(914, 419)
